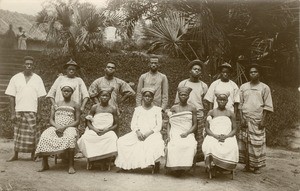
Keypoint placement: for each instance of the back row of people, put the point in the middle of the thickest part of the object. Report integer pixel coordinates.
(254, 97)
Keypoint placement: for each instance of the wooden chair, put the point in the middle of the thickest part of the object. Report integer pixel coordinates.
(212, 170)
(90, 164)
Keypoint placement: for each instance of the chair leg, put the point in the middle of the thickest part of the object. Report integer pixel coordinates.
(232, 173)
(109, 164)
(153, 169)
(194, 166)
(156, 167)
(209, 173)
(55, 159)
(88, 164)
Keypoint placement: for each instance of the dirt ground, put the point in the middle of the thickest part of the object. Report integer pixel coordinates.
(282, 173)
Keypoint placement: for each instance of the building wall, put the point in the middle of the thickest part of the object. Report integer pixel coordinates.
(31, 44)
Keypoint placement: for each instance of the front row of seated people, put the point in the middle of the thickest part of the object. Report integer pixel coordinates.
(143, 146)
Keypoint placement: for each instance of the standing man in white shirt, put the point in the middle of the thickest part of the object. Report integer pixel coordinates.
(224, 84)
(25, 90)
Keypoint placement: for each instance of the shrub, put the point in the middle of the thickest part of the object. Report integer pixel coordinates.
(285, 116)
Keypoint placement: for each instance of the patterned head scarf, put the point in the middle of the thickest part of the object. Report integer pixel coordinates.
(184, 89)
(68, 84)
(108, 89)
(222, 92)
(151, 90)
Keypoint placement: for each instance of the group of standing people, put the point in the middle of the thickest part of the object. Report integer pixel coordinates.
(192, 134)
(10, 38)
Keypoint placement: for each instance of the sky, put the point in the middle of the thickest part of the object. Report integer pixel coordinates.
(32, 7)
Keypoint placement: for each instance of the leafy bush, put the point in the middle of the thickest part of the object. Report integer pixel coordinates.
(285, 116)
(129, 68)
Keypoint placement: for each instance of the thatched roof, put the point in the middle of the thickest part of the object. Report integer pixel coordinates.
(20, 20)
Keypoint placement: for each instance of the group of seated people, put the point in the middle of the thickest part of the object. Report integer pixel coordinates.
(144, 145)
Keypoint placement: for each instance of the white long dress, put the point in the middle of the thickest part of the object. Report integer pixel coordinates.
(225, 154)
(181, 151)
(95, 147)
(133, 153)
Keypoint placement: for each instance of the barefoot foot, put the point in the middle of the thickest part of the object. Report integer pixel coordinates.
(71, 170)
(256, 171)
(13, 158)
(44, 167)
(246, 169)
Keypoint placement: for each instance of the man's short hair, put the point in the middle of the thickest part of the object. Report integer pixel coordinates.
(195, 62)
(256, 66)
(111, 62)
(153, 59)
(225, 65)
(28, 58)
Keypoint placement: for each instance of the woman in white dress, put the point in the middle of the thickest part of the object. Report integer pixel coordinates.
(220, 145)
(22, 41)
(182, 145)
(99, 140)
(143, 146)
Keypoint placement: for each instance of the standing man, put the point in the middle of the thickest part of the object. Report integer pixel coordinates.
(157, 81)
(224, 84)
(80, 94)
(120, 87)
(25, 90)
(199, 89)
(10, 38)
(256, 103)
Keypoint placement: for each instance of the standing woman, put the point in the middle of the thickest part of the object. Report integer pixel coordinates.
(80, 94)
(144, 145)
(256, 102)
(22, 41)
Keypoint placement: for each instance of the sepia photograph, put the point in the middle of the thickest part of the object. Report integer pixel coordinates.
(149, 95)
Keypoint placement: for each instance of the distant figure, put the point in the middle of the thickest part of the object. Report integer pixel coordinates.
(19, 35)
(22, 41)
(9, 38)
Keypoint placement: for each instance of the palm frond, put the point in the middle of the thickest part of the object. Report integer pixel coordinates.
(167, 32)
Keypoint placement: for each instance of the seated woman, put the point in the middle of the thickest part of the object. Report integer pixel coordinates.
(99, 140)
(220, 145)
(61, 136)
(144, 145)
(182, 145)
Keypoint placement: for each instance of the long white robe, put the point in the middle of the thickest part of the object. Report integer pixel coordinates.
(181, 151)
(133, 153)
(95, 147)
(225, 154)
